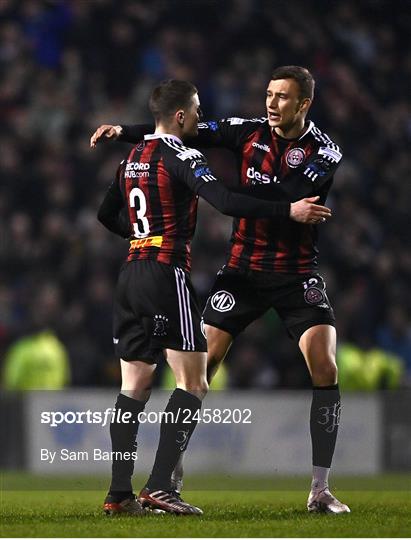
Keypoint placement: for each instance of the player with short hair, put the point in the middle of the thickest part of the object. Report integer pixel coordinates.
(153, 201)
(271, 266)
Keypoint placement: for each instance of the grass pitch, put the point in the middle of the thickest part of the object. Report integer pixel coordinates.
(380, 507)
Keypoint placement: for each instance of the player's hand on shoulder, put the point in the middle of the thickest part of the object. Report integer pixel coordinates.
(104, 132)
(306, 211)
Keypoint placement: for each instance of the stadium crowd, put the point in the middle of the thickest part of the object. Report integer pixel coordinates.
(68, 66)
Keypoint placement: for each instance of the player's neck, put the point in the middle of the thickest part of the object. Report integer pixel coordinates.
(293, 132)
(163, 129)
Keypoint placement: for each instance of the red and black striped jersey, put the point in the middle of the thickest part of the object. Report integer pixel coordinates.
(162, 212)
(270, 165)
(302, 167)
(153, 200)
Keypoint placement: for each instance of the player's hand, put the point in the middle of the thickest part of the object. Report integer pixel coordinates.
(106, 131)
(306, 211)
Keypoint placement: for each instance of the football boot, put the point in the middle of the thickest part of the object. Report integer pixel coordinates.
(168, 501)
(323, 501)
(130, 505)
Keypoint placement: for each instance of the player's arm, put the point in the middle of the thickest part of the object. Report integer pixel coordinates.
(197, 175)
(227, 133)
(303, 210)
(230, 133)
(132, 134)
(112, 212)
(239, 205)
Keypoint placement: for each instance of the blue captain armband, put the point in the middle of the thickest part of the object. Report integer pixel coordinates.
(317, 169)
(202, 171)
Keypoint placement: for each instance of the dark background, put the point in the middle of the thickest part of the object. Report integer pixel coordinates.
(68, 66)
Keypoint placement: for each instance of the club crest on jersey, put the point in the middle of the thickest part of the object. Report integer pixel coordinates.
(295, 157)
(140, 146)
(160, 325)
(222, 301)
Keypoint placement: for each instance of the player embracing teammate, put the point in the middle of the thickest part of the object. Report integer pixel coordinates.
(153, 202)
(272, 261)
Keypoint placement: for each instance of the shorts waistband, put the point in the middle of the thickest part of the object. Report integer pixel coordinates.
(247, 272)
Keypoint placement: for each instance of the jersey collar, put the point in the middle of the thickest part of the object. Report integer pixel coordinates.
(307, 130)
(152, 136)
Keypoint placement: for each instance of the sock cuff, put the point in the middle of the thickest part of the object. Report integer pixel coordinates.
(182, 396)
(331, 387)
(129, 404)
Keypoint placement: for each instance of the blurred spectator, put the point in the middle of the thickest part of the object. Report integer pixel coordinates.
(36, 362)
(374, 369)
(394, 334)
(66, 67)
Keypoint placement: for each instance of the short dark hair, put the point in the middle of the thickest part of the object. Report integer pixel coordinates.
(301, 76)
(169, 96)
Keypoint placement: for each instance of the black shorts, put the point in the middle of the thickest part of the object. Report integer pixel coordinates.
(155, 308)
(237, 299)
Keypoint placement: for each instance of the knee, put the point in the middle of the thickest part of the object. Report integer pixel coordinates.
(325, 373)
(140, 394)
(318, 345)
(138, 388)
(197, 388)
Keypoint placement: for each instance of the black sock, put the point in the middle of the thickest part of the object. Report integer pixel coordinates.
(174, 437)
(123, 439)
(324, 421)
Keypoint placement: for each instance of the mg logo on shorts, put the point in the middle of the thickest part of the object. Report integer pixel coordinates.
(222, 301)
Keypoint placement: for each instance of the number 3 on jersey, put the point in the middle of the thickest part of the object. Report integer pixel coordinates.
(142, 226)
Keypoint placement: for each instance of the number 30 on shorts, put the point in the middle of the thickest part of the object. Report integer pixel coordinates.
(142, 226)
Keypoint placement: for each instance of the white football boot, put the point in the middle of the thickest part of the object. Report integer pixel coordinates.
(323, 501)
